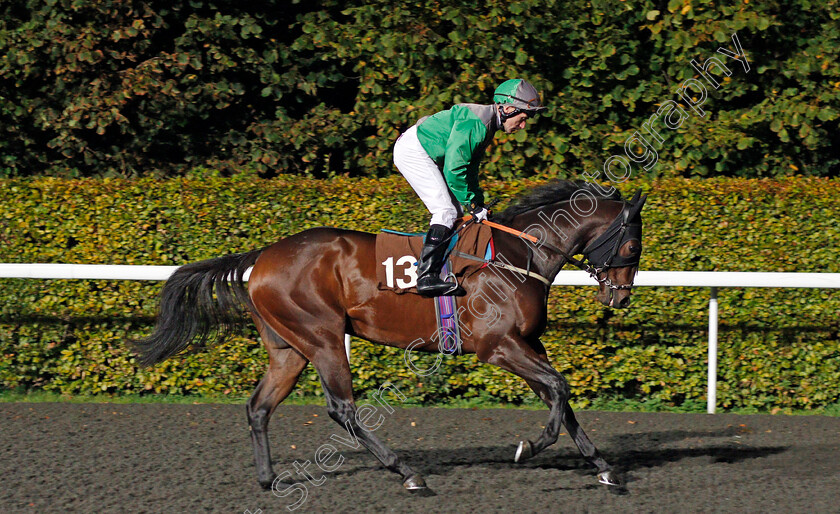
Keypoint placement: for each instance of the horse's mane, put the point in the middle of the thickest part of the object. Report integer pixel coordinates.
(552, 192)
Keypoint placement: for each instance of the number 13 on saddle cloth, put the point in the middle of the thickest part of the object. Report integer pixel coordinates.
(397, 253)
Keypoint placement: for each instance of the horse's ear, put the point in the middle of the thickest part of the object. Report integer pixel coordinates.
(635, 205)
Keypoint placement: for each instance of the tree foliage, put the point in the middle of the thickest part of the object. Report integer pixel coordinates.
(127, 87)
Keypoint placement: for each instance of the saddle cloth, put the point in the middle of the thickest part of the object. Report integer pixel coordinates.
(397, 254)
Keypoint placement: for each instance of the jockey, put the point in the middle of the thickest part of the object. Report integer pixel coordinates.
(439, 157)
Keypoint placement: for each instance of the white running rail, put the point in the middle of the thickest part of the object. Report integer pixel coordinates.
(710, 279)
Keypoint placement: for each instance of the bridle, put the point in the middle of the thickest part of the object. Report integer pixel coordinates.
(602, 253)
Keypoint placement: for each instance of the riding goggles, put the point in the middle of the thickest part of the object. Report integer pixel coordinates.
(534, 104)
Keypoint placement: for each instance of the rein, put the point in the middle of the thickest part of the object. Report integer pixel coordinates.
(593, 271)
(527, 273)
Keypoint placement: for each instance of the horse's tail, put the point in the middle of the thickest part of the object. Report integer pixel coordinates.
(189, 315)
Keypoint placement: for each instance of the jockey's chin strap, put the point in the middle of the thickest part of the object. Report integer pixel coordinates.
(593, 272)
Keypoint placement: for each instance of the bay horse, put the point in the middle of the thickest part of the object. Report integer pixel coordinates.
(309, 289)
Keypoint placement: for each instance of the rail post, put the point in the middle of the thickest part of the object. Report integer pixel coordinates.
(347, 346)
(711, 398)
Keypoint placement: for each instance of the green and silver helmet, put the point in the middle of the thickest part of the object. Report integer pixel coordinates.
(520, 94)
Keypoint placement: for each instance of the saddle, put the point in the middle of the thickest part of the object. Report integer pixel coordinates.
(397, 254)
(468, 251)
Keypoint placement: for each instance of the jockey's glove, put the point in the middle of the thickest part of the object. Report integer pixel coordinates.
(480, 214)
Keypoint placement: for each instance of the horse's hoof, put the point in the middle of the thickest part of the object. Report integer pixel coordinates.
(415, 483)
(525, 451)
(417, 486)
(610, 478)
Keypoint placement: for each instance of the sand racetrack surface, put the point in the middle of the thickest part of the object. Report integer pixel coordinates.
(59, 457)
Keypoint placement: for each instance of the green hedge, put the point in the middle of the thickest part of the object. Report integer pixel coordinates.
(121, 87)
(778, 347)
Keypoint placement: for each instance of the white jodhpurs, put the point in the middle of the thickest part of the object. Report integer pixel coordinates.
(425, 178)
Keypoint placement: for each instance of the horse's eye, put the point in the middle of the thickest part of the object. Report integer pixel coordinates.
(634, 249)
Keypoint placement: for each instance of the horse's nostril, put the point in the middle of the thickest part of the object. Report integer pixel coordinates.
(624, 302)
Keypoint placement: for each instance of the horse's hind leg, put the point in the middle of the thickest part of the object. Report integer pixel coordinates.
(284, 367)
(314, 326)
(336, 379)
(590, 453)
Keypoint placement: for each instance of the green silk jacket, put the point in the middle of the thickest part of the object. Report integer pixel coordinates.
(456, 140)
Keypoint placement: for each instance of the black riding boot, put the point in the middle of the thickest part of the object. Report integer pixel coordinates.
(429, 283)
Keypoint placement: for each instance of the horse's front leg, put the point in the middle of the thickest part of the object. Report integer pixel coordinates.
(515, 355)
(336, 380)
(530, 363)
(606, 474)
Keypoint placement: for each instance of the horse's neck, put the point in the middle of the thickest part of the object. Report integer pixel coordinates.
(561, 226)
